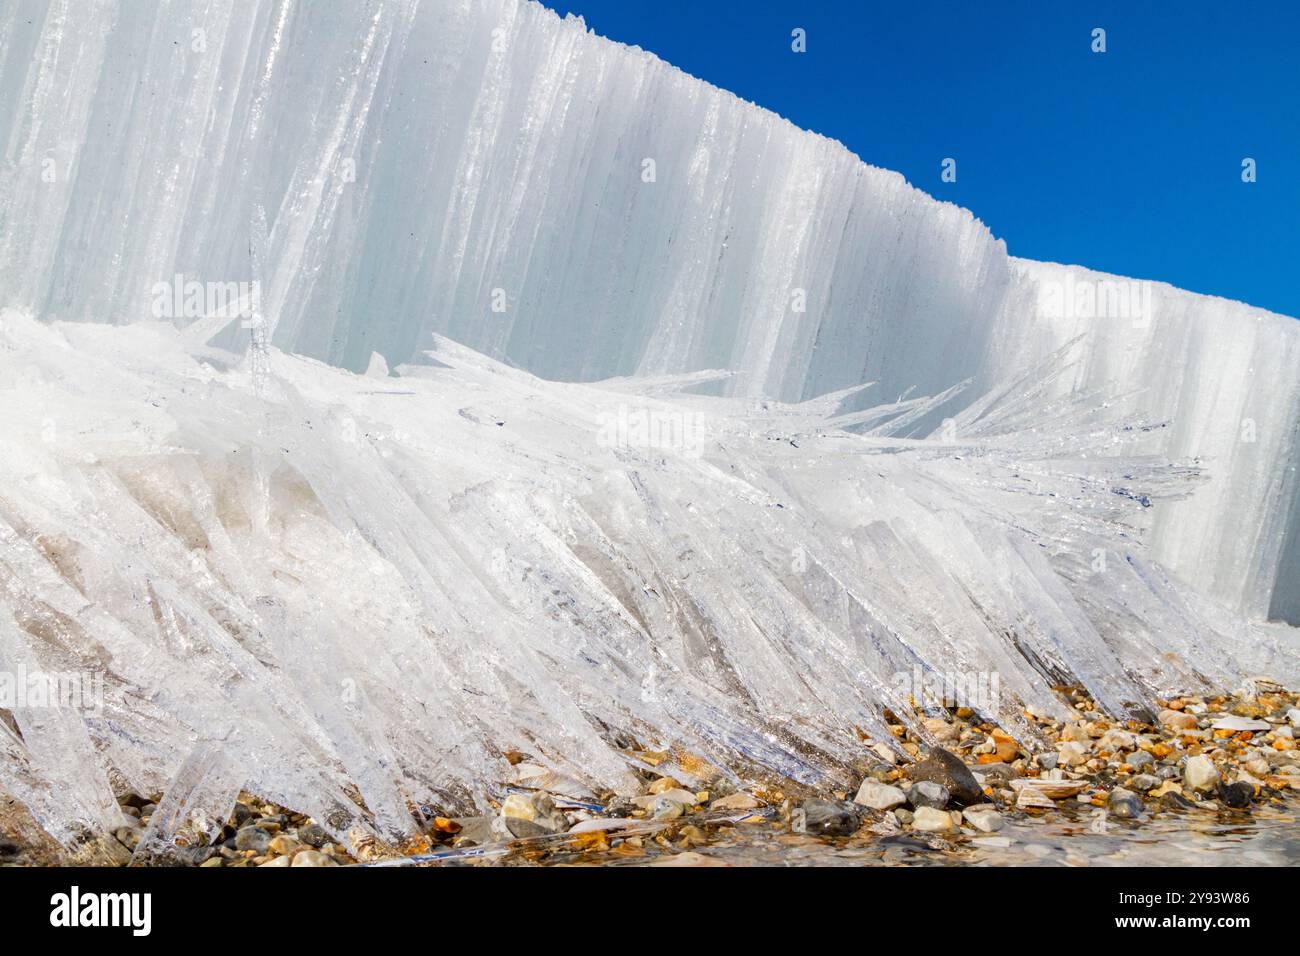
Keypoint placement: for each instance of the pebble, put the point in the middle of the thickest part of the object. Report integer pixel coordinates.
(1047, 761)
(927, 793)
(1032, 797)
(1174, 800)
(1072, 754)
(1117, 740)
(253, 838)
(1144, 782)
(530, 815)
(283, 845)
(946, 768)
(597, 825)
(999, 773)
(879, 796)
(1293, 717)
(278, 861)
(1055, 789)
(1238, 724)
(831, 817)
(1200, 773)
(666, 808)
(663, 785)
(1124, 804)
(931, 819)
(313, 835)
(684, 797)
(1236, 795)
(984, 818)
(736, 801)
(1140, 760)
(1176, 720)
(621, 807)
(311, 858)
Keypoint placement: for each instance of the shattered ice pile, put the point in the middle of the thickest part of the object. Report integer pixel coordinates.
(352, 593)
(488, 171)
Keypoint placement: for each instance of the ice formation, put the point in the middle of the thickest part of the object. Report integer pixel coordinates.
(350, 584)
(339, 589)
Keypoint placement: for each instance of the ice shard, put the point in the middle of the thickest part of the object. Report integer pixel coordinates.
(722, 429)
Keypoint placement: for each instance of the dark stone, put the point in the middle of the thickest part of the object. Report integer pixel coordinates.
(195, 855)
(620, 807)
(1236, 795)
(1124, 804)
(253, 838)
(832, 817)
(313, 835)
(1176, 801)
(9, 848)
(927, 793)
(944, 767)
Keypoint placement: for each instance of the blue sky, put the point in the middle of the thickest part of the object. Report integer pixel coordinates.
(1127, 161)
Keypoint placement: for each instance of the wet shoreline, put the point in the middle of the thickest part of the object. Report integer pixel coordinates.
(1211, 781)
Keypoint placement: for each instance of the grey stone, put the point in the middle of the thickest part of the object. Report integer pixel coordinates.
(946, 768)
(253, 838)
(313, 835)
(832, 817)
(927, 793)
(879, 796)
(1140, 760)
(1144, 782)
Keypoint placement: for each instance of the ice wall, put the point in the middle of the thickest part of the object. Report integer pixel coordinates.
(1225, 380)
(483, 169)
(352, 594)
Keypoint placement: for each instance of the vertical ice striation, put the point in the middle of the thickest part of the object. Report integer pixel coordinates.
(352, 594)
(460, 545)
(580, 208)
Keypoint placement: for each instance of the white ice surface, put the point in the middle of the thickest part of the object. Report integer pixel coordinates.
(420, 162)
(233, 554)
(341, 587)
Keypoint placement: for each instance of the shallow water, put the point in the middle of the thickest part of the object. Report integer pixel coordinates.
(1072, 836)
(1269, 837)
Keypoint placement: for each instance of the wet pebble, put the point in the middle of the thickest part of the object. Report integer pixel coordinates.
(879, 796)
(311, 858)
(253, 838)
(946, 768)
(1140, 760)
(1200, 774)
(927, 793)
(831, 817)
(313, 835)
(931, 819)
(1124, 804)
(1236, 795)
